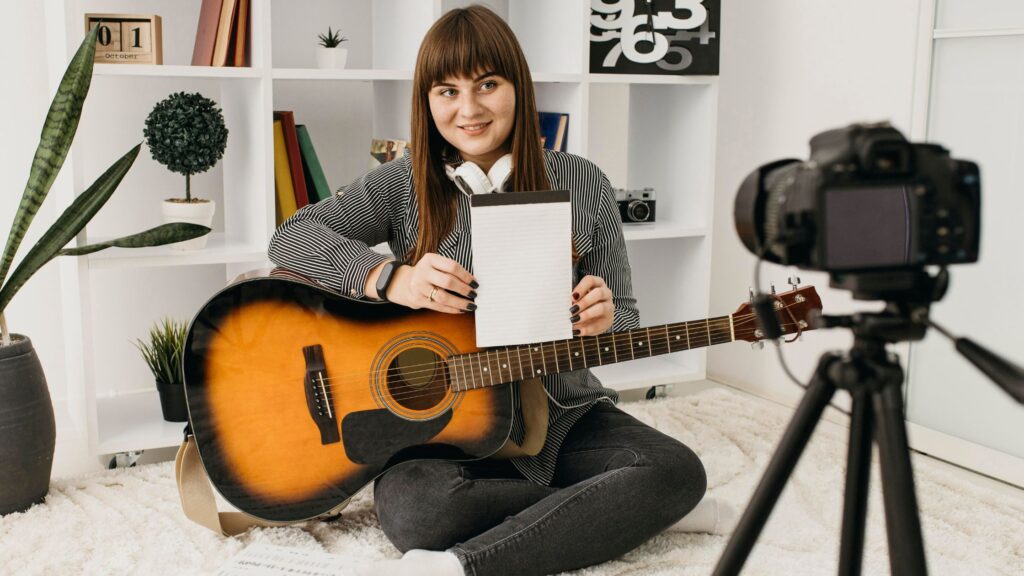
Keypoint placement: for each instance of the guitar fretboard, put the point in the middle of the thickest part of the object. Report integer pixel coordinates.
(500, 365)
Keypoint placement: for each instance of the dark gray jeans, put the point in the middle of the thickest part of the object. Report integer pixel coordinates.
(617, 483)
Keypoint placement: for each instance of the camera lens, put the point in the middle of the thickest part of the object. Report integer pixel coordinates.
(639, 211)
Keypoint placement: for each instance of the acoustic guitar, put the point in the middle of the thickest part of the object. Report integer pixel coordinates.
(298, 396)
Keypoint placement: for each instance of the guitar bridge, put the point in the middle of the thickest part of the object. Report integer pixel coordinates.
(318, 397)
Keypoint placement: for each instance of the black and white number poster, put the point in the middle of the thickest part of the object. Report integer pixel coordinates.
(654, 36)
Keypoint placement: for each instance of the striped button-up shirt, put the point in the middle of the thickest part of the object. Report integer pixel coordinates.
(329, 241)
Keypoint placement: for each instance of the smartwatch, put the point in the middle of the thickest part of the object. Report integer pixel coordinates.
(387, 274)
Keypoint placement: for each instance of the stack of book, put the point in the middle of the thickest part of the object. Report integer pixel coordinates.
(553, 126)
(298, 176)
(222, 37)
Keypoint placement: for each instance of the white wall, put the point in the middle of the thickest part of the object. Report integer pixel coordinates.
(36, 309)
(790, 69)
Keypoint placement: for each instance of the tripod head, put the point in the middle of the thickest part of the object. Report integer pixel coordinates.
(906, 317)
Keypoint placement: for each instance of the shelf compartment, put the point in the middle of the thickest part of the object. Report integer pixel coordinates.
(652, 79)
(340, 74)
(557, 77)
(646, 372)
(219, 250)
(134, 421)
(660, 230)
(173, 71)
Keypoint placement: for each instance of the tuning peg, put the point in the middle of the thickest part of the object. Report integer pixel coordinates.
(794, 281)
(758, 345)
(751, 291)
(773, 288)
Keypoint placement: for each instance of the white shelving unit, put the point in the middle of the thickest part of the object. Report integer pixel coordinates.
(656, 131)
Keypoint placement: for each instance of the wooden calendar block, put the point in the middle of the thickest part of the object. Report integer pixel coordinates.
(137, 37)
(127, 38)
(109, 38)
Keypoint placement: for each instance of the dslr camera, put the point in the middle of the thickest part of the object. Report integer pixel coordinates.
(635, 205)
(867, 201)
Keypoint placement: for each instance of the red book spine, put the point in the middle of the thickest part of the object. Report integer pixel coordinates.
(291, 142)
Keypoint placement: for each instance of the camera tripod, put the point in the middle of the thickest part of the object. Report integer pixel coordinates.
(874, 379)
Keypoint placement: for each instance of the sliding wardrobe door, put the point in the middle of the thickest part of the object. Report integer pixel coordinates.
(976, 110)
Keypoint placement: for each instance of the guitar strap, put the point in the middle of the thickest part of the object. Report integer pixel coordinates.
(534, 403)
(198, 502)
(199, 505)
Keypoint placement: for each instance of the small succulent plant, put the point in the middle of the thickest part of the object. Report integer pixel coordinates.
(331, 39)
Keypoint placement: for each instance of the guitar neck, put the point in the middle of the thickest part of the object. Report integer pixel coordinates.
(496, 366)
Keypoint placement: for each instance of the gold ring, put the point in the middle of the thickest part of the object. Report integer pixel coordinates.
(431, 298)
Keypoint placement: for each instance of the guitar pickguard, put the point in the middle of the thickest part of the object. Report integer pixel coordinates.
(374, 436)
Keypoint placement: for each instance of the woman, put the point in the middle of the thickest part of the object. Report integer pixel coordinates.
(603, 482)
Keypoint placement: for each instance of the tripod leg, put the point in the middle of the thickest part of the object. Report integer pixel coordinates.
(858, 468)
(903, 524)
(818, 394)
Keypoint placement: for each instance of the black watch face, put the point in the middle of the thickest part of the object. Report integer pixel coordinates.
(385, 280)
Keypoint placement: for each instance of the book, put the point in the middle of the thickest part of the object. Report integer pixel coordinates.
(316, 181)
(553, 128)
(385, 150)
(241, 37)
(291, 141)
(206, 33)
(220, 46)
(284, 192)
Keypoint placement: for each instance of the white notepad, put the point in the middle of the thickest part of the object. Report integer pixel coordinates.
(522, 259)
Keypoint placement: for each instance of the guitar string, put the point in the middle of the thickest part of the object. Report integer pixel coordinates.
(416, 392)
(693, 333)
(419, 391)
(718, 335)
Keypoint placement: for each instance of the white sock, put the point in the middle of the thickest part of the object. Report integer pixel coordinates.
(711, 515)
(415, 563)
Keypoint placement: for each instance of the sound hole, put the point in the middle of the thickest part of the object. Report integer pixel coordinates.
(417, 378)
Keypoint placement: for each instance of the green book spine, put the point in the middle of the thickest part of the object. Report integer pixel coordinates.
(314, 170)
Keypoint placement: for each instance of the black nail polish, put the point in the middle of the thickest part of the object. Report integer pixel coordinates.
(575, 318)
(472, 294)
(575, 332)
(574, 309)
(474, 284)
(471, 306)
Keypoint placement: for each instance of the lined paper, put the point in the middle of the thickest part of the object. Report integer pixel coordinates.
(522, 259)
(262, 559)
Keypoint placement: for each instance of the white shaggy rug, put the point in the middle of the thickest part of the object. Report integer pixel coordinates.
(129, 521)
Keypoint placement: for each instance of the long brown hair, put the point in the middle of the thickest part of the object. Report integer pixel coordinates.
(464, 42)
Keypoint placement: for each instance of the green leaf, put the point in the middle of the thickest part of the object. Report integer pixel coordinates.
(70, 223)
(164, 350)
(163, 234)
(58, 131)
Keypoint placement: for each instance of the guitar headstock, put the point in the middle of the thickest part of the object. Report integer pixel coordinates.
(793, 310)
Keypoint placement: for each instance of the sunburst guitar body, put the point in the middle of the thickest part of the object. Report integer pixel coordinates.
(298, 397)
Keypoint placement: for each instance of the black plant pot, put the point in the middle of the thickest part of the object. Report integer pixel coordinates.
(27, 431)
(172, 402)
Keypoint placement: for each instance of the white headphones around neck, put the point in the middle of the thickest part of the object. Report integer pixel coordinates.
(470, 178)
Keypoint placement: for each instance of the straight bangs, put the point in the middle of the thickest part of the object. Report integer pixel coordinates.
(471, 46)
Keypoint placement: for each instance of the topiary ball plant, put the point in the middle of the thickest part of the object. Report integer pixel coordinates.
(186, 133)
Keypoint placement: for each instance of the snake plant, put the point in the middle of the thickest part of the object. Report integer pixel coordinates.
(58, 132)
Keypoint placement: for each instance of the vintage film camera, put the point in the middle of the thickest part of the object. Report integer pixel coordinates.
(635, 205)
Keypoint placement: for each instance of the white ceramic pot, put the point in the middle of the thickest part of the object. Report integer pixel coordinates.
(330, 58)
(200, 212)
